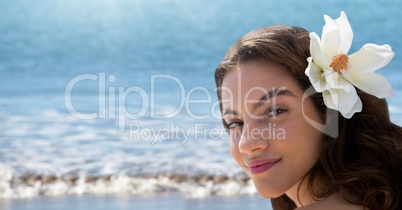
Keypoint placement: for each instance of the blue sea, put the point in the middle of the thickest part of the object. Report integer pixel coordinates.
(113, 97)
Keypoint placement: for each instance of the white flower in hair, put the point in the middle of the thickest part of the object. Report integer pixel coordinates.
(336, 74)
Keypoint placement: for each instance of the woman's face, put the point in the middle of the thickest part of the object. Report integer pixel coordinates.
(269, 135)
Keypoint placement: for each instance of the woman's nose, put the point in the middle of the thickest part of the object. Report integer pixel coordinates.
(254, 138)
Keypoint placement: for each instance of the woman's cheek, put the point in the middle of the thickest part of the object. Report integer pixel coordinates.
(234, 149)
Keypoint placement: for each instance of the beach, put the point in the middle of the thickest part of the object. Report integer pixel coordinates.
(111, 104)
(168, 201)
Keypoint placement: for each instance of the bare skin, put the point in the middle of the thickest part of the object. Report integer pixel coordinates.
(276, 163)
(333, 202)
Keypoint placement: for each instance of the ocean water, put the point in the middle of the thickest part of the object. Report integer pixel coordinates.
(117, 96)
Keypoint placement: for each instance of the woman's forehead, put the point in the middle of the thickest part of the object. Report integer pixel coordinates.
(256, 77)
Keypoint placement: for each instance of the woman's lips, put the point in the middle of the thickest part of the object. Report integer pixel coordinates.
(259, 166)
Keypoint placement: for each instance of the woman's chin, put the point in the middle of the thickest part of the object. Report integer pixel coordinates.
(268, 193)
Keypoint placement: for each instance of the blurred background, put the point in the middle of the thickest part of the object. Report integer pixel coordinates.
(53, 159)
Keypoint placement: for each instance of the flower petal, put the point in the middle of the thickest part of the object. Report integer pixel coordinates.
(316, 51)
(370, 58)
(345, 32)
(330, 38)
(346, 76)
(331, 78)
(357, 107)
(373, 84)
(329, 101)
(335, 81)
(347, 97)
(314, 74)
(344, 99)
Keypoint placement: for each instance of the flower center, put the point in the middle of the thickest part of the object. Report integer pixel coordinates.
(340, 62)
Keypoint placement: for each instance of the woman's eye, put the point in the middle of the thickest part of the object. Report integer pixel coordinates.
(232, 125)
(276, 111)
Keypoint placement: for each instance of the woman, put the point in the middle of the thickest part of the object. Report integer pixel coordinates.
(308, 124)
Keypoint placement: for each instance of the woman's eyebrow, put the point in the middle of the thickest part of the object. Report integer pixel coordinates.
(270, 95)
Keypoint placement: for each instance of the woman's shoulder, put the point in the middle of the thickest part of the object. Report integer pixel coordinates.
(333, 202)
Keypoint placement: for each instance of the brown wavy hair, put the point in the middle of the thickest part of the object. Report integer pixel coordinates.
(364, 162)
